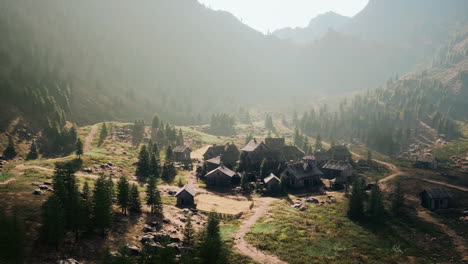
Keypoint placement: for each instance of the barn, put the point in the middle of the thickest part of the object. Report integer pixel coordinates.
(186, 196)
(221, 177)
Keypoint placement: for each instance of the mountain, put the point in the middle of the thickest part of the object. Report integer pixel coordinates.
(317, 27)
(88, 61)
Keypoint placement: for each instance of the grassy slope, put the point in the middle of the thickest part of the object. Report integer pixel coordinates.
(325, 235)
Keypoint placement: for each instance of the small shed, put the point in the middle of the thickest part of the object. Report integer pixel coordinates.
(221, 177)
(182, 154)
(272, 183)
(434, 199)
(426, 162)
(186, 196)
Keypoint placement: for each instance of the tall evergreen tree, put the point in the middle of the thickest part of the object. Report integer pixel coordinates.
(79, 148)
(10, 151)
(356, 201)
(318, 142)
(397, 200)
(53, 221)
(169, 153)
(153, 197)
(12, 240)
(154, 167)
(211, 248)
(376, 209)
(123, 194)
(32, 155)
(102, 212)
(143, 163)
(103, 134)
(135, 202)
(189, 233)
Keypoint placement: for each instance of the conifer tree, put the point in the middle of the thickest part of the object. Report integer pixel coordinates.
(53, 221)
(154, 168)
(244, 183)
(376, 209)
(189, 233)
(356, 200)
(211, 248)
(123, 194)
(143, 163)
(10, 151)
(169, 153)
(32, 155)
(79, 148)
(397, 200)
(318, 142)
(103, 134)
(102, 212)
(135, 202)
(153, 197)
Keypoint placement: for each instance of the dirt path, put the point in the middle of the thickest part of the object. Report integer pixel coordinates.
(198, 154)
(244, 247)
(90, 137)
(457, 240)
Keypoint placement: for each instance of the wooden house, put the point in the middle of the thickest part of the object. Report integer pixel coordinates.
(182, 154)
(339, 152)
(341, 171)
(272, 183)
(186, 196)
(434, 199)
(292, 153)
(229, 152)
(256, 151)
(302, 175)
(213, 163)
(221, 177)
(321, 157)
(426, 161)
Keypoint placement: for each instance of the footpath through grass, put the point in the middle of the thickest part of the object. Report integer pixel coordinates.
(324, 234)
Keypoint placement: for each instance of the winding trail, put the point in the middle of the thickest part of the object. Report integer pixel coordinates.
(460, 245)
(90, 137)
(244, 247)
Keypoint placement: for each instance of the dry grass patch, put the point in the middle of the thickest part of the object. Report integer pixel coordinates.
(210, 202)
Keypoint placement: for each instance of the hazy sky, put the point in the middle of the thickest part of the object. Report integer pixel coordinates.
(265, 15)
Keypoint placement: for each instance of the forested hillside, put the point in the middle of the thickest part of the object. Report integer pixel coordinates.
(392, 116)
(122, 60)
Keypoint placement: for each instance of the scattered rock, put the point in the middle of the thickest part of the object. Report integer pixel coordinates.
(68, 261)
(312, 200)
(147, 238)
(38, 192)
(43, 187)
(174, 246)
(134, 250)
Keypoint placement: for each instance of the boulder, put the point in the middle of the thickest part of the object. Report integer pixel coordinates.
(312, 200)
(174, 246)
(147, 238)
(148, 228)
(166, 221)
(43, 187)
(38, 192)
(134, 250)
(47, 183)
(175, 239)
(155, 224)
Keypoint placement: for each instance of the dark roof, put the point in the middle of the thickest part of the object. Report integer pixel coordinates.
(221, 149)
(303, 170)
(253, 145)
(292, 151)
(222, 169)
(321, 154)
(182, 149)
(426, 158)
(339, 149)
(437, 193)
(275, 143)
(337, 165)
(188, 188)
(215, 160)
(271, 177)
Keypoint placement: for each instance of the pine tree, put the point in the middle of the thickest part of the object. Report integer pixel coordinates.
(79, 148)
(10, 151)
(123, 194)
(211, 248)
(318, 142)
(169, 153)
(398, 200)
(32, 155)
(154, 168)
(103, 134)
(376, 209)
(244, 183)
(356, 201)
(102, 212)
(135, 202)
(143, 163)
(53, 221)
(153, 197)
(189, 233)
(168, 172)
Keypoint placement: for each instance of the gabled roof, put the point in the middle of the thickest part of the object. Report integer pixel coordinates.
(182, 149)
(302, 170)
(275, 143)
(292, 151)
(188, 188)
(437, 193)
(426, 158)
(223, 170)
(215, 160)
(337, 165)
(339, 149)
(221, 149)
(270, 178)
(253, 145)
